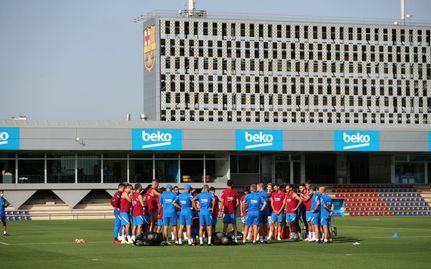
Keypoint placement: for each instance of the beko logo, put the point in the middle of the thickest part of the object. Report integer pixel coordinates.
(259, 140)
(4, 138)
(156, 139)
(358, 139)
(9, 138)
(355, 140)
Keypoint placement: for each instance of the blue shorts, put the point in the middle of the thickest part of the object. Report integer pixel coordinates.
(125, 219)
(160, 223)
(229, 218)
(264, 217)
(137, 220)
(2, 217)
(290, 217)
(186, 219)
(325, 220)
(244, 219)
(253, 218)
(147, 220)
(277, 217)
(205, 219)
(151, 214)
(308, 215)
(170, 221)
(214, 221)
(315, 218)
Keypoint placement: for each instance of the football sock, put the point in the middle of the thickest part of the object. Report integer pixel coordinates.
(201, 240)
(209, 240)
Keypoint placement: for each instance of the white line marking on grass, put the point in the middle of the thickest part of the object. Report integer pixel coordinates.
(3, 243)
(391, 228)
(58, 243)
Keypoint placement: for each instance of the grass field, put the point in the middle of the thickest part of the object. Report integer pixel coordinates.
(48, 244)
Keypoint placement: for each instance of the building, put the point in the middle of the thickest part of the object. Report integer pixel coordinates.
(246, 99)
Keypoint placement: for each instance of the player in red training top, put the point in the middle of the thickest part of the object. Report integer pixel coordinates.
(216, 211)
(230, 202)
(277, 205)
(159, 214)
(137, 212)
(306, 195)
(125, 203)
(152, 203)
(292, 202)
(243, 211)
(115, 202)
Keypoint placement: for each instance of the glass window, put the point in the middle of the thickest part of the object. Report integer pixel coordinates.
(248, 164)
(192, 170)
(216, 155)
(192, 156)
(7, 171)
(60, 155)
(114, 171)
(31, 171)
(234, 164)
(114, 155)
(61, 171)
(31, 155)
(141, 171)
(410, 173)
(167, 155)
(216, 170)
(167, 170)
(89, 170)
(7, 155)
(141, 155)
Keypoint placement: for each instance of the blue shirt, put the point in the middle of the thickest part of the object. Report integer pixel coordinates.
(314, 200)
(254, 201)
(327, 201)
(167, 200)
(185, 200)
(264, 196)
(2, 205)
(205, 201)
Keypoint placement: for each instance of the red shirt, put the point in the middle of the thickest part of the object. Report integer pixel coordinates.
(291, 203)
(216, 206)
(269, 199)
(229, 197)
(307, 204)
(124, 205)
(115, 202)
(157, 199)
(244, 213)
(152, 203)
(138, 209)
(277, 199)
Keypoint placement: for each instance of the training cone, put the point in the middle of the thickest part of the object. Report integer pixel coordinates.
(396, 235)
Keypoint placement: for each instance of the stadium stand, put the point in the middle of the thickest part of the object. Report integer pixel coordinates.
(384, 200)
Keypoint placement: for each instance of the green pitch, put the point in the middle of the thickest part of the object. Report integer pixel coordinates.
(48, 244)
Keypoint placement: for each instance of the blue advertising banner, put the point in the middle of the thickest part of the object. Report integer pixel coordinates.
(157, 139)
(338, 207)
(259, 140)
(351, 140)
(429, 141)
(9, 138)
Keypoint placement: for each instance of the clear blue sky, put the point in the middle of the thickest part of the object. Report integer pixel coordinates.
(82, 59)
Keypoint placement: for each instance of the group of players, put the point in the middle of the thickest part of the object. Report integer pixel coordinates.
(266, 211)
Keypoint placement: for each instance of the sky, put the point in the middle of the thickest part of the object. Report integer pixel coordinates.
(83, 59)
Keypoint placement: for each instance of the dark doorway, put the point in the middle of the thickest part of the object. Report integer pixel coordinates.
(359, 165)
(320, 168)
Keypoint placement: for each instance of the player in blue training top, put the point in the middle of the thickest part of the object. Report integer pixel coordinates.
(167, 200)
(265, 213)
(206, 206)
(186, 203)
(3, 205)
(326, 209)
(255, 205)
(315, 214)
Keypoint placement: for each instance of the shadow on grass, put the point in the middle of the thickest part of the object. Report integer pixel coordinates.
(345, 239)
